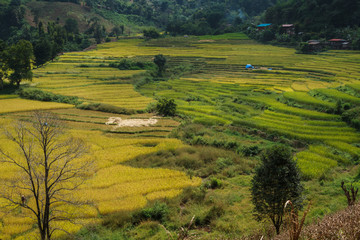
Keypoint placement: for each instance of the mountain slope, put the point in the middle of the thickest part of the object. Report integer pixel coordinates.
(60, 11)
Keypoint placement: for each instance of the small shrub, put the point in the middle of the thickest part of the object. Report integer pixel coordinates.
(151, 33)
(189, 162)
(224, 162)
(249, 151)
(105, 108)
(128, 64)
(304, 48)
(166, 107)
(214, 183)
(193, 194)
(352, 117)
(158, 212)
(215, 212)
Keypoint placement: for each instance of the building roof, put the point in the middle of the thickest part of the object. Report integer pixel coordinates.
(337, 40)
(313, 42)
(264, 25)
(287, 25)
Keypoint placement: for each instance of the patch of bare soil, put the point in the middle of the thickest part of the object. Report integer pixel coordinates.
(207, 40)
(119, 122)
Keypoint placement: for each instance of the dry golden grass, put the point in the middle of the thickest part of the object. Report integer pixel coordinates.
(18, 105)
(111, 187)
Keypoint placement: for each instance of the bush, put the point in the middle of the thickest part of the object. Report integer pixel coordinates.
(304, 48)
(205, 217)
(223, 162)
(166, 107)
(128, 64)
(151, 33)
(214, 183)
(267, 36)
(249, 151)
(105, 108)
(158, 212)
(352, 117)
(193, 194)
(36, 94)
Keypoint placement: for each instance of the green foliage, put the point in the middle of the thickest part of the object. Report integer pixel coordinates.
(19, 58)
(3, 66)
(128, 64)
(276, 180)
(249, 151)
(197, 161)
(158, 212)
(338, 95)
(160, 61)
(42, 51)
(151, 33)
(214, 183)
(105, 108)
(71, 26)
(315, 16)
(36, 94)
(352, 116)
(305, 48)
(166, 107)
(305, 98)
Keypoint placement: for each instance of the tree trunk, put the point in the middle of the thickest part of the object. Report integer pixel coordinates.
(277, 227)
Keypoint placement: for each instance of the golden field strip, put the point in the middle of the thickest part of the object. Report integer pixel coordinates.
(112, 186)
(221, 93)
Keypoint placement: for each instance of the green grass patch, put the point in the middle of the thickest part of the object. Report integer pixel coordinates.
(338, 95)
(313, 165)
(226, 36)
(305, 98)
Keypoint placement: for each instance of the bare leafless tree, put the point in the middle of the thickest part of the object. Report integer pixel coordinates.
(50, 169)
(350, 198)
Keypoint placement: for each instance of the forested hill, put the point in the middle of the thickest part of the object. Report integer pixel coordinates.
(316, 15)
(178, 17)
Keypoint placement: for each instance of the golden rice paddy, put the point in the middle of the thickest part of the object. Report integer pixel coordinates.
(221, 84)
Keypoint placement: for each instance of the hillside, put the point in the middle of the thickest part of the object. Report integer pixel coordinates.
(200, 162)
(317, 15)
(38, 11)
(188, 174)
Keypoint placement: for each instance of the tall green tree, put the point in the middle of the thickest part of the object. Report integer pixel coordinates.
(160, 61)
(276, 180)
(19, 58)
(3, 66)
(42, 51)
(71, 26)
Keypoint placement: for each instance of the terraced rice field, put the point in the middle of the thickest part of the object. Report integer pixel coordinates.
(219, 92)
(14, 104)
(90, 82)
(112, 187)
(224, 93)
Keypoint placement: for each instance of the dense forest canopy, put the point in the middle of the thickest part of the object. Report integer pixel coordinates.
(316, 15)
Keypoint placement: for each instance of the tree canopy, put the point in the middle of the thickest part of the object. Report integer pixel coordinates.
(19, 58)
(276, 181)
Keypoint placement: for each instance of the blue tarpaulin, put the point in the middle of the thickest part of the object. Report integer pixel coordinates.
(249, 66)
(264, 25)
